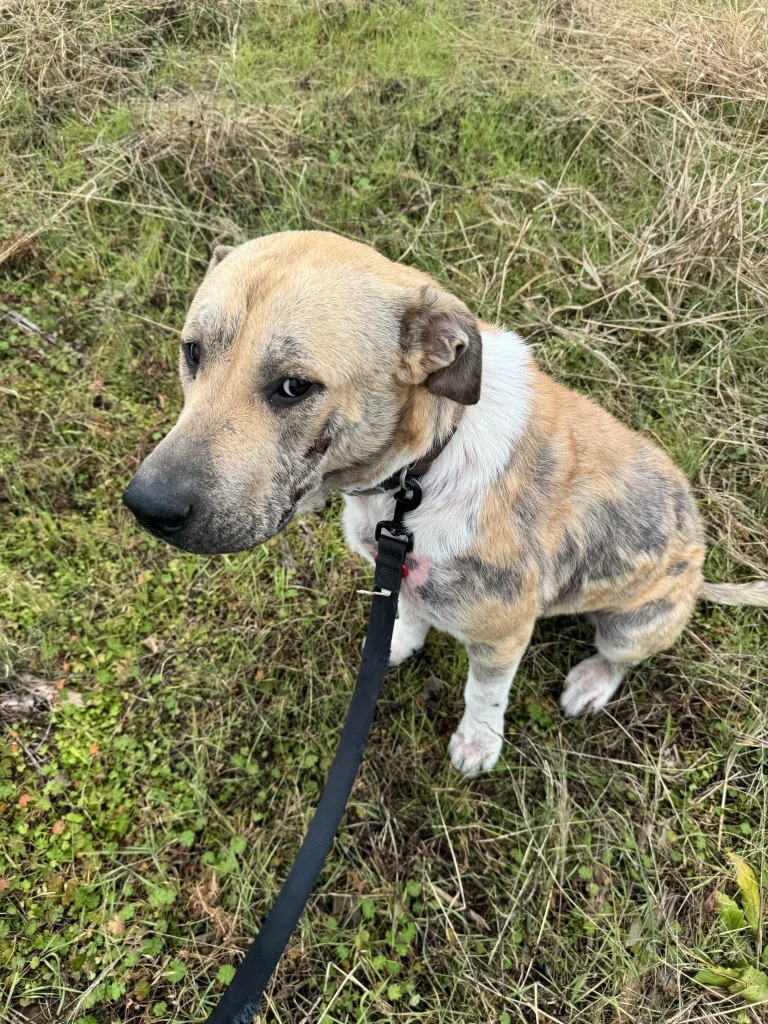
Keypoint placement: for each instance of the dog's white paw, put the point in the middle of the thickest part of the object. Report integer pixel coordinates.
(590, 685)
(475, 746)
(406, 640)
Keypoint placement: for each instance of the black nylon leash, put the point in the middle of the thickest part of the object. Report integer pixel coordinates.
(241, 999)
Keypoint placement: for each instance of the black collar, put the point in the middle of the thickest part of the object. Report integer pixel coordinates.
(415, 470)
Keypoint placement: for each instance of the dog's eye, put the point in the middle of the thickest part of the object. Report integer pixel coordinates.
(294, 387)
(291, 391)
(192, 353)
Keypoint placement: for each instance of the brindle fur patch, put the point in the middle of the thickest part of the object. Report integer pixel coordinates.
(605, 544)
(613, 628)
(677, 568)
(468, 580)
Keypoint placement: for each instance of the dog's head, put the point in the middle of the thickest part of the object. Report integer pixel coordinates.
(308, 364)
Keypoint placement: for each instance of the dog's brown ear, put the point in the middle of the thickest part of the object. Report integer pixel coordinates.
(442, 345)
(219, 253)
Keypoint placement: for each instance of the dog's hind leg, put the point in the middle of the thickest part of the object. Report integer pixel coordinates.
(590, 685)
(623, 639)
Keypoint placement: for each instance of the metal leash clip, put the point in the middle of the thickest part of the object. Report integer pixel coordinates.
(407, 499)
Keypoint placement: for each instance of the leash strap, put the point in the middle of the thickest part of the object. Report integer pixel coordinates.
(241, 999)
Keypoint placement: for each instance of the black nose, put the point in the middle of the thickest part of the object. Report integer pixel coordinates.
(157, 506)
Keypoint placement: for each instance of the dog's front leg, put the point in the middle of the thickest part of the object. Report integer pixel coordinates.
(477, 743)
(411, 630)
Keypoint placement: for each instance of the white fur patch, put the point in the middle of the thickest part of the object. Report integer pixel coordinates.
(475, 746)
(409, 635)
(457, 482)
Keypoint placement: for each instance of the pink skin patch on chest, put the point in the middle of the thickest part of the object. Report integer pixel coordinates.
(418, 571)
(416, 574)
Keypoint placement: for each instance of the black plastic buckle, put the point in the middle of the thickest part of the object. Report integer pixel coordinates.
(395, 530)
(407, 499)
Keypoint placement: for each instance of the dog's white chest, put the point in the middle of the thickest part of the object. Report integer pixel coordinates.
(360, 518)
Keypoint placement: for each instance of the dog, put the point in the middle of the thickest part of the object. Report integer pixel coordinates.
(312, 364)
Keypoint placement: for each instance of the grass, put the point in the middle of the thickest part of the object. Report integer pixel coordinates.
(591, 173)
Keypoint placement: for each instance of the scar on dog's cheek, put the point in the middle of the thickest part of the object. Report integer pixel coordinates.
(318, 447)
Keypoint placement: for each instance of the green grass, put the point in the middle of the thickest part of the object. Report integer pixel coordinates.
(592, 175)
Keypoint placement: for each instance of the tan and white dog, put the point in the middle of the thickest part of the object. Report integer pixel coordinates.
(312, 364)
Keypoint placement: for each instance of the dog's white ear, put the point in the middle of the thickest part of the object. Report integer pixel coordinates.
(219, 253)
(442, 344)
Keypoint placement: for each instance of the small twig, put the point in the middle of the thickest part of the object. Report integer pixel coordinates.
(524, 228)
(726, 776)
(25, 325)
(94, 984)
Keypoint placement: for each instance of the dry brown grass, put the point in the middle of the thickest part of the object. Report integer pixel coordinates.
(683, 97)
(194, 156)
(700, 53)
(58, 54)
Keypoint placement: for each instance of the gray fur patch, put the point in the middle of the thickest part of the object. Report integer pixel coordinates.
(684, 507)
(468, 580)
(613, 534)
(282, 358)
(371, 458)
(529, 507)
(615, 627)
(216, 334)
(480, 651)
(490, 674)
(677, 568)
